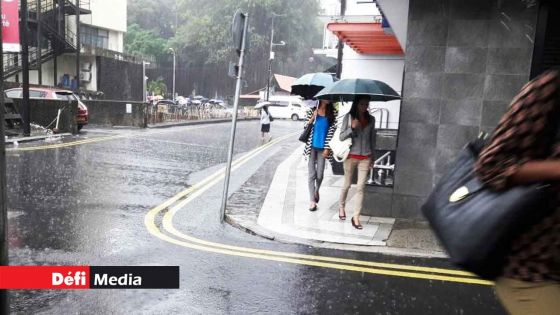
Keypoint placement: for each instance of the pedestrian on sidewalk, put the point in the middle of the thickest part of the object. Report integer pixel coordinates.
(525, 149)
(317, 150)
(266, 118)
(359, 124)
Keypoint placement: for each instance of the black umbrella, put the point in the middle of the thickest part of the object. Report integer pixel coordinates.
(310, 84)
(346, 90)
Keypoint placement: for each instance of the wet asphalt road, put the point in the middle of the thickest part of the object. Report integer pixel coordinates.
(86, 204)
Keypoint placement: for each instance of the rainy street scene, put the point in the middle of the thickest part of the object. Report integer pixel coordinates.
(280, 157)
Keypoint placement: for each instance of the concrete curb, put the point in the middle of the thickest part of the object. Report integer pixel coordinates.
(257, 230)
(197, 122)
(36, 138)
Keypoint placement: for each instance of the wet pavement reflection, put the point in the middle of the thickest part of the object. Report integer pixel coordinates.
(85, 205)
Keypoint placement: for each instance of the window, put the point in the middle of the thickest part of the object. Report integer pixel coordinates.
(281, 104)
(296, 105)
(13, 94)
(37, 94)
(95, 37)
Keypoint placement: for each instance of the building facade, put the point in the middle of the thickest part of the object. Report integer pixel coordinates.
(103, 25)
(464, 62)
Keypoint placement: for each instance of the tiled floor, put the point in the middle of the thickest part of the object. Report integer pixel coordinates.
(286, 209)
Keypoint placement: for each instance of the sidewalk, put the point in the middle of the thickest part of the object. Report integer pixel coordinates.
(284, 215)
(196, 122)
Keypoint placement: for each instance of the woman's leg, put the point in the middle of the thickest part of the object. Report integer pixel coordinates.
(320, 171)
(363, 172)
(312, 175)
(349, 166)
(529, 298)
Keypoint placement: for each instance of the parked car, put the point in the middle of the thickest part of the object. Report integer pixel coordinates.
(82, 117)
(287, 108)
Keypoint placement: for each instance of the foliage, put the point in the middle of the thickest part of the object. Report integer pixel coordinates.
(143, 42)
(157, 87)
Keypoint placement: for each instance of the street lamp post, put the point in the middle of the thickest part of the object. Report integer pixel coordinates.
(174, 70)
(271, 54)
(144, 83)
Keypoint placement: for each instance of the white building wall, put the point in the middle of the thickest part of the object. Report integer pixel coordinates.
(109, 14)
(396, 12)
(389, 69)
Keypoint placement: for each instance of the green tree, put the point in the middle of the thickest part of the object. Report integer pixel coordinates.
(157, 87)
(145, 42)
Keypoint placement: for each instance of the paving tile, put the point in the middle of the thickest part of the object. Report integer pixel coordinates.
(290, 181)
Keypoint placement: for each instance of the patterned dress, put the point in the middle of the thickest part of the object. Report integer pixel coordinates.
(332, 129)
(528, 131)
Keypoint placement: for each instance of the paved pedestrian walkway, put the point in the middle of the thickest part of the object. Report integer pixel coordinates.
(286, 209)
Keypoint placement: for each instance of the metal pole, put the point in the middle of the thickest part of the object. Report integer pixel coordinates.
(4, 303)
(39, 51)
(144, 81)
(234, 122)
(78, 45)
(174, 72)
(270, 59)
(340, 42)
(25, 110)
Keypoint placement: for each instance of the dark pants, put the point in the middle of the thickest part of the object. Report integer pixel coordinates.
(316, 168)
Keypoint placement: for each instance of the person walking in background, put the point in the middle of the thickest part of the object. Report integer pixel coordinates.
(317, 149)
(266, 118)
(525, 149)
(360, 126)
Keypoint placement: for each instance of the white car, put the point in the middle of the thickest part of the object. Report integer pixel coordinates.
(287, 108)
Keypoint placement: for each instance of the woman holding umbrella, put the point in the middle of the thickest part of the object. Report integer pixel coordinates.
(266, 118)
(360, 126)
(317, 149)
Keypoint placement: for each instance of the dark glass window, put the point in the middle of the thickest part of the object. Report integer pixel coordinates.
(94, 36)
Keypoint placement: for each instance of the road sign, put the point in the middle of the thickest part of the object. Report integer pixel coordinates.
(10, 26)
(237, 30)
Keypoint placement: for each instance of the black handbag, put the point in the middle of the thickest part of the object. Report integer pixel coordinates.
(477, 225)
(304, 137)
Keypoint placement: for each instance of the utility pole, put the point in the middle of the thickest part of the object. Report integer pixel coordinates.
(25, 110)
(144, 83)
(271, 54)
(270, 58)
(39, 51)
(340, 42)
(174, 70)
(4, 305)
(78, 46)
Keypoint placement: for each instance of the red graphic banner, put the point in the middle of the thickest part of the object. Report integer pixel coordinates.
(88, 277)
(10, 26)
(44, 277)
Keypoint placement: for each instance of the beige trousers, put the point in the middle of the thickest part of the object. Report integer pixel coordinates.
(529, 298)
(350, 165)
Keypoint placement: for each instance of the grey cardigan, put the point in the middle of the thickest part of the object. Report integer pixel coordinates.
(363, 139)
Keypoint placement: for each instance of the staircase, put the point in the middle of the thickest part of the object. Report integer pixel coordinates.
(58, 37)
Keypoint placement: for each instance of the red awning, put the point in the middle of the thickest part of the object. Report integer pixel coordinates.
(366, 38)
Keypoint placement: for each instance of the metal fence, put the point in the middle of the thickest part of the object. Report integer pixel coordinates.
(170, 113)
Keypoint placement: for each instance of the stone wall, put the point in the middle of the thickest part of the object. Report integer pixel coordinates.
(44, 112)
(465, 61)
(119, 80)
(114, 113)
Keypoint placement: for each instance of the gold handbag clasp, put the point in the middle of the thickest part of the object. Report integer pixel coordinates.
(459, 194)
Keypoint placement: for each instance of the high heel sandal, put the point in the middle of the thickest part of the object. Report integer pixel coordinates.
(342, 217)
(357, 226)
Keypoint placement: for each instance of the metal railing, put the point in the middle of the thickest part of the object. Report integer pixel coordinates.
(382, 172)
(381, 120)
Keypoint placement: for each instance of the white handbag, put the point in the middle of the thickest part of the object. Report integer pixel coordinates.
(340, 149)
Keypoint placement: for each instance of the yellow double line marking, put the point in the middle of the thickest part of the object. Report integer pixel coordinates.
(93, 140)
(183, 198)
